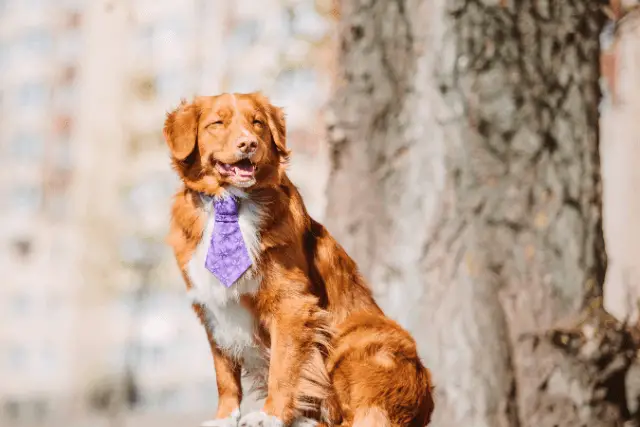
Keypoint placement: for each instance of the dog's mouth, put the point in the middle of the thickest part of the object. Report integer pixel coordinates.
(242, 170)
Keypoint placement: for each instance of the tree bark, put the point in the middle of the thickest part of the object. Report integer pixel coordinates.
(466, 183)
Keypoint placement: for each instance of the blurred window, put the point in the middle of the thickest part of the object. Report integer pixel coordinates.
(32, 94)
(169, 29)
(37, 41)
(142, 44)
(4, 54)
(244, 35)
(28, 146)
(49, 361)
(20, 305)
(26, 199)
(17, 358)
(169, 85)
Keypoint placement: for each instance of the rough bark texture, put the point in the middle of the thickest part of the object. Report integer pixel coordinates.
(466, 182)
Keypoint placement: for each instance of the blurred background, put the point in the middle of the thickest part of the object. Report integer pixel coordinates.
(95, 320)
(95, 326)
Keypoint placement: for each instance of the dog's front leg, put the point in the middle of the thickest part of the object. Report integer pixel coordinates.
(227, 379)
(297, 378)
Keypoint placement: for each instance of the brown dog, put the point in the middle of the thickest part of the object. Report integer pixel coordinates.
(269, 298)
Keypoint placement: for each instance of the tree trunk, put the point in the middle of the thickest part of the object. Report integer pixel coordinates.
(466, 183)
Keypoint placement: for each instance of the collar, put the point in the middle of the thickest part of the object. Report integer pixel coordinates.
(207, 199)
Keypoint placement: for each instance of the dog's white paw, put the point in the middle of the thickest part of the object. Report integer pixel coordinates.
(230, 421)
(304, 422)
(260, 419)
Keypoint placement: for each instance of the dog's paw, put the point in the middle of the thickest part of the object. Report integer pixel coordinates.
(260, 419)
(230, 421)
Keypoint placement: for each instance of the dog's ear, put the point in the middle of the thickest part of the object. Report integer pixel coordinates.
(278, 129)
(181, 129)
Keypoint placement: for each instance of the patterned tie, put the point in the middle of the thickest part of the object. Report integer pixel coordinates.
(228, 257)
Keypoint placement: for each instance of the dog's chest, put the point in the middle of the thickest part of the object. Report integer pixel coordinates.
(232, 325)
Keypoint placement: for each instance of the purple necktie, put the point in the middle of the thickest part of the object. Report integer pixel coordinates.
(228, 257)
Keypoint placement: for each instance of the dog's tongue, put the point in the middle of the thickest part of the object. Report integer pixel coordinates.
(243, 168)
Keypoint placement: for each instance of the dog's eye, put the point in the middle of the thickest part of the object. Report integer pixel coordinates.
(257, 123)
(216, 123)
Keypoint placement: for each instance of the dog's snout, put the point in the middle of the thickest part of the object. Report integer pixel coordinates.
(247, 145)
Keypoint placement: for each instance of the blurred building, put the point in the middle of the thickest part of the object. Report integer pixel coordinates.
(40, 48)
(91, 293)
(620, 149)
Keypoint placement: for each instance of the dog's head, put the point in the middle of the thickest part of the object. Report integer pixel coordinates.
(227, 140)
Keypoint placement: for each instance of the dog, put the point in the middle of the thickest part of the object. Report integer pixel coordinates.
(279, 298)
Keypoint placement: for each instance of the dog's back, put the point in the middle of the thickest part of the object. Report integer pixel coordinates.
(373, 364)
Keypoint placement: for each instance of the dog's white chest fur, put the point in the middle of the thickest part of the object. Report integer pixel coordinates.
(233, 327)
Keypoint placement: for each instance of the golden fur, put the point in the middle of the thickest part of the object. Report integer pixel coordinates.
(329, 345)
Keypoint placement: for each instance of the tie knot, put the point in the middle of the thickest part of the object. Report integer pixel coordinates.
(226, 209)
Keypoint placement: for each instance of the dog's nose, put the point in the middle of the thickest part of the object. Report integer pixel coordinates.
(247, 146)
